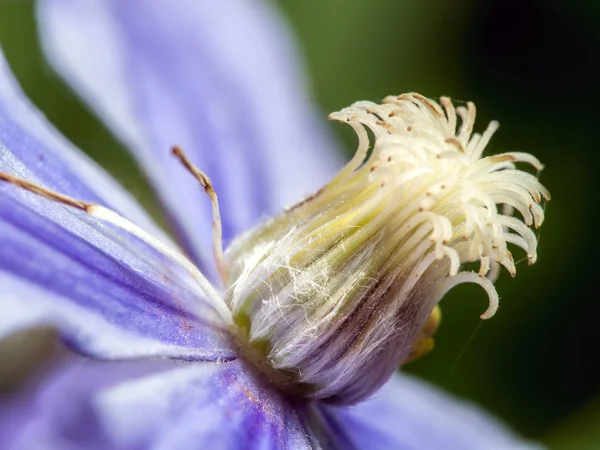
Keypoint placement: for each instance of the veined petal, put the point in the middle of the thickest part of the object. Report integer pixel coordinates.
(110, 294)
(408, 414)
(196, 406)
(221, 81)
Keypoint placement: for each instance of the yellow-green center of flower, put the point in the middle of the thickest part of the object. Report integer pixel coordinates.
(335, 291)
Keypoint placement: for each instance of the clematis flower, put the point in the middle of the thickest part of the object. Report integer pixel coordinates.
(289, 339)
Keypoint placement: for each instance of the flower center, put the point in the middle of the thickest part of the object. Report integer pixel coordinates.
(335, 291)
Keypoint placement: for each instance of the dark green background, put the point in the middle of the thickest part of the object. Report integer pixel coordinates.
(529, 64)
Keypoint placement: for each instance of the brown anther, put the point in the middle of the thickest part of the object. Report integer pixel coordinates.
(433, 108)
(456, 143)
(502, 158)
(390, 128)
(46, 193)
(389, 159)
(216, 223)
(200, 177)
(424, 100)
(446, 102)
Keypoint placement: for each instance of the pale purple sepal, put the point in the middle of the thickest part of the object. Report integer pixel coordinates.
(111, 295)
(409, 414)
(221, 81)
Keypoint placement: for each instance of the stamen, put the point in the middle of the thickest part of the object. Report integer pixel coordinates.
(472, 277)
(217, 229)
(43, 192)
(106, 215)
(456, 143)
(450, 113)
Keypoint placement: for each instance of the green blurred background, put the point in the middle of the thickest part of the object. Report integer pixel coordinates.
(529, 64)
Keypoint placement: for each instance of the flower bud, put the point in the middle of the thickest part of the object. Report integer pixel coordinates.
(335, 292)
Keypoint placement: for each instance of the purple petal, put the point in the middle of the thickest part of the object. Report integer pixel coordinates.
(56, 411)
(195, 406)
(408, 414)
(111, 295)
(219, 80)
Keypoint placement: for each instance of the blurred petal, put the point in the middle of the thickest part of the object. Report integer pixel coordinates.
(56, 412)
(221, 81)
(408, 414)
(111, 295)
(197, 406)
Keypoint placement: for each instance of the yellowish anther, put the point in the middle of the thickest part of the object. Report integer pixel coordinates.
(421, 347)
(433, 321)
(424, 341)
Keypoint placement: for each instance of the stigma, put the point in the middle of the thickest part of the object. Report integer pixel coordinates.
(338, 290)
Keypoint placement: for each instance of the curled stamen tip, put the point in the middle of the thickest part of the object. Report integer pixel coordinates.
(490, 312)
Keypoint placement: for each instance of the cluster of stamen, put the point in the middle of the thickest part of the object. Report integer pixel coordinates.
(433, 174)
